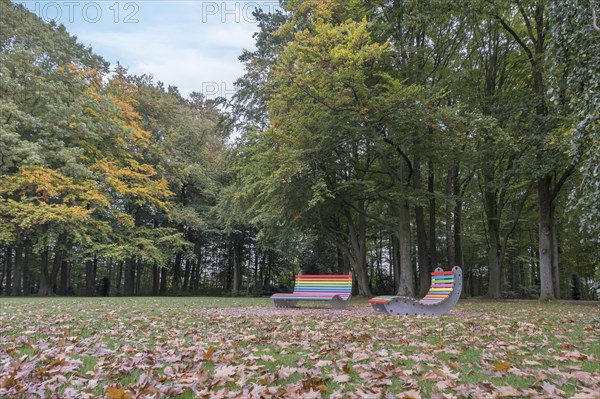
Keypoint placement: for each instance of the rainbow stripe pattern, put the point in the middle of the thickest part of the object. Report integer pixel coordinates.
(333, 287)
(444, 293)
(442, 284)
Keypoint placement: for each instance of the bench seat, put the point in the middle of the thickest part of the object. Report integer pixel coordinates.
(336, 289)
(445, 289)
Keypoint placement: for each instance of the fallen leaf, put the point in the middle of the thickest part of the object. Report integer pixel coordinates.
(339, 378)
(507, 392)
(208, 354)
(117, 393)
(502, 366)
(412, 394)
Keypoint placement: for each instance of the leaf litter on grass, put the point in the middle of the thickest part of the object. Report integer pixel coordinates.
(134, 349)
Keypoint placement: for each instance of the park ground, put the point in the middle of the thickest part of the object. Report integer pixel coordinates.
(245, 348)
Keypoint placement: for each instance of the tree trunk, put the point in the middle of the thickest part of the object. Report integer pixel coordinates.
(545, 240)
(176, 279)
(18, 269)
(9, 263)
(139, 276)
(45, 288)
(358, 252)
(342, 268)
(58, 260)
(450, 205)
(25, 273)
(119, 284)
(90, 278)
(186, 275)
(433, 261)
(494, 270)
(422, 253)
(554, 238)
(129, 283)
(493, 226)
(458, 246)
(164, 276)
(395, 259)
(407, 277)
(64, 278)
(237, 264)
(155, 279)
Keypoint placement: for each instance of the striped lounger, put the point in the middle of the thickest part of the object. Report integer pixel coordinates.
(442, 296)
(336, 289)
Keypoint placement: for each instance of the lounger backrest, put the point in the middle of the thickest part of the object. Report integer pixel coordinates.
(324, 284)
(442, 285)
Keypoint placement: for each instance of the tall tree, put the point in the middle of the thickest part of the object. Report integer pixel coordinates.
(575, 46)
(552, 166)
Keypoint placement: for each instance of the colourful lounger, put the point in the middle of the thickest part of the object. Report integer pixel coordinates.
(333, 288)
(442, 296)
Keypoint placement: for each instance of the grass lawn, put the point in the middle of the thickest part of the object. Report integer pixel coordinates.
(244, 348)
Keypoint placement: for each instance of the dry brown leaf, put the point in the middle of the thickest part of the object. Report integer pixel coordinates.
(340, 378)
(507, 392)
(502, 366)
(587, 394)
(412, 394)
(117, 393)
(208, 354)
(225, 371)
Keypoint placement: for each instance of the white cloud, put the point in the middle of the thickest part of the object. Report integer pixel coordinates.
(200, 57)
(193, 45)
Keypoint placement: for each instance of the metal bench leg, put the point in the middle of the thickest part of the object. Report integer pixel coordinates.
(338, 303)
(379, 307)
(284, 303)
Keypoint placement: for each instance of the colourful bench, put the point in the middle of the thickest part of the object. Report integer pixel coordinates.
(336, 289)
(443, 294)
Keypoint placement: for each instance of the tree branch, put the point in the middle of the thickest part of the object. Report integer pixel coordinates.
(514, 224)
(403, 155)
(568, 172)
(370, 216)
(321, 101)
(527, 23)
(518, 40)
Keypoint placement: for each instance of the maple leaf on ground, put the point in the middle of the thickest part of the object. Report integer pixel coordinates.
(412, 394)
(283, 372)
(443, 396)
(117, 393)
(507, 392)
(502, 366)
(207, 356)
(551, 390)
(587, 394)
(357, 357)
(576, 355)
(225, 372)
(339, 378)
(267, 358)
(312, 394)
(531, 363)
(323, 363)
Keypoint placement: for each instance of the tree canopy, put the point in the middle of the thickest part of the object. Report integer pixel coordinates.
(379, 138)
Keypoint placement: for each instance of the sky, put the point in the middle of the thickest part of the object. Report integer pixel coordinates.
(191, 44)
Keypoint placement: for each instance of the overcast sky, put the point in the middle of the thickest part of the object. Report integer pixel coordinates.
(192, 44)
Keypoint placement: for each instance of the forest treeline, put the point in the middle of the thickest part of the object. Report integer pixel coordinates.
(378, 138)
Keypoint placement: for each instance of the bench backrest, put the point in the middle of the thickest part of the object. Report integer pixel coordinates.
(442, 285)
(324, 284)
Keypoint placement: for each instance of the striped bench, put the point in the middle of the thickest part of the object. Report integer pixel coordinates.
(333, 288)
(443, 294)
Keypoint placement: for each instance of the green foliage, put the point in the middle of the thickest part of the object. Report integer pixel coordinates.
(353, 117)
(83, 166)
(575, 46)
